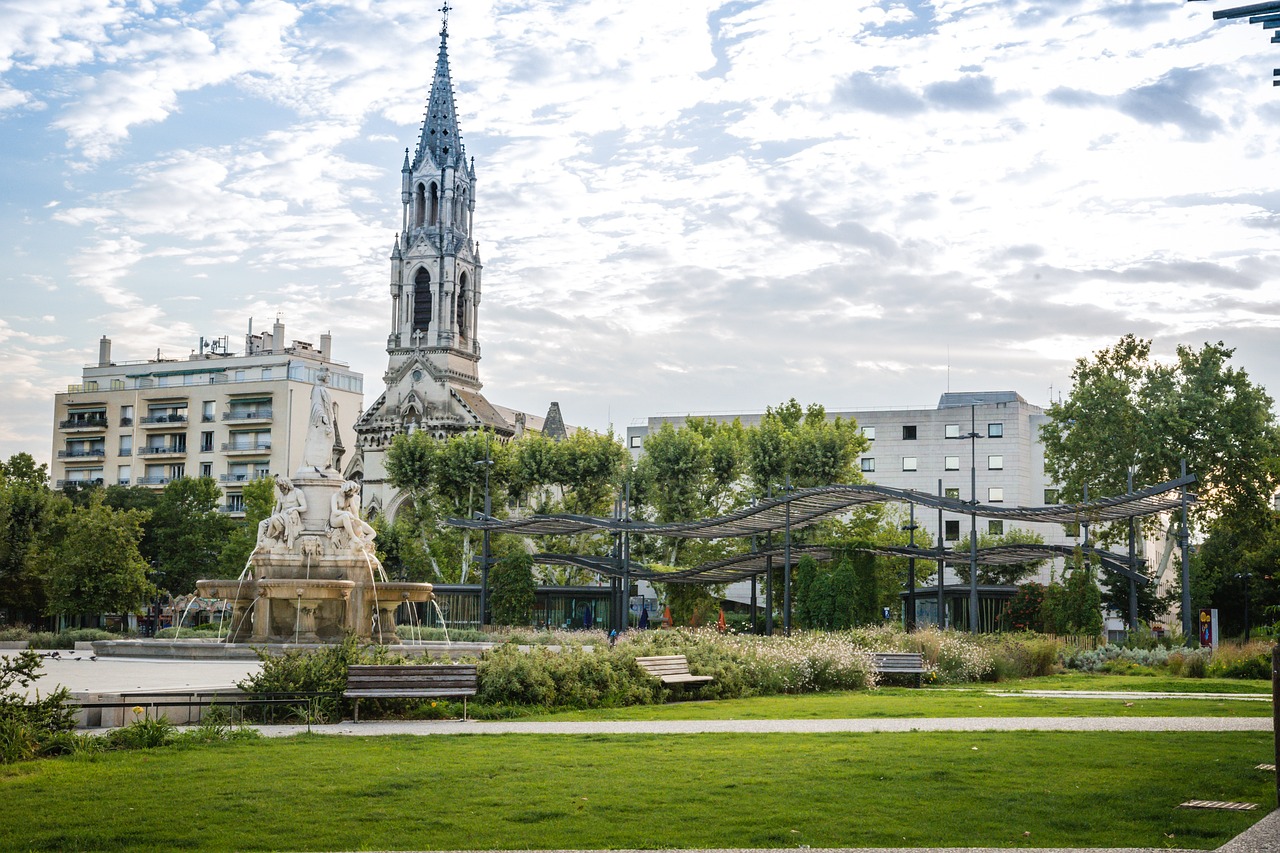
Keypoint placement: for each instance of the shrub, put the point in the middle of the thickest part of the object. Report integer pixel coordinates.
(67, 639)
(1252, 660)
(1023, 656)
(313, 671)
(956, 658)
(26, 726)
(143, 733)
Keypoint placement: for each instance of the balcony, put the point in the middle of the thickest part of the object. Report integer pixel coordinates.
(162, 451)
(243, 477)
(62, 484)
(246, 447)
(163, 420)
(93, 422)
(92, 453)
(126, 422)
(245, 415)
(229, 509)
(153, 481)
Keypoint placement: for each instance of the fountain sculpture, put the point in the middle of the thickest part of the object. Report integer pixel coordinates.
(313, 576)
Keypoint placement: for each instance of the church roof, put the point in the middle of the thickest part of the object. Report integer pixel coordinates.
(440, 139)
(482, 409)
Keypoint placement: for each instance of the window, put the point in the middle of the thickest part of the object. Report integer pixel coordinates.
(951, 463)
(637, 441)
(1050, 497)
(995, 430)
(995, 495)
(869, 433)
(126, 445)
(995, 463)
(206, 469)
(266, 373)
(207, 411)
(909, 433)
(951, 430)
(952, 531)
(1071, 529)
(123, 474)
(995, 527)
(235, 502)
(177, 472)
(952, 493)
(909, 463)
(868, 464)
(126, 416)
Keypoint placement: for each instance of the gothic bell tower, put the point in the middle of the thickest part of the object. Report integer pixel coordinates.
(433, 350)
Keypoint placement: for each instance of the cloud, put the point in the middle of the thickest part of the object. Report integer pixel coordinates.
(865, 91)
(974, 92)
(1170, 101)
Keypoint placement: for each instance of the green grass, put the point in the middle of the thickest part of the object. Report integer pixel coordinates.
(505, 792)
(892, 702)
(1155, 684)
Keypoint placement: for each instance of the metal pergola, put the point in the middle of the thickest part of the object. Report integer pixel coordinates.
(1266, 14)
(805, 507)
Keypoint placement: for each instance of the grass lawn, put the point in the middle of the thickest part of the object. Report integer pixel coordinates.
(1152, 683)
(505, 792)
(908, 702)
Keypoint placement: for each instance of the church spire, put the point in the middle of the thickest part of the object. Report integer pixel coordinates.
(440, 139)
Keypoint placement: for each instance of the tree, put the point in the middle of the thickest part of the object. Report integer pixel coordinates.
(188, 533)
(512, 590)
(25, 501)
(1127, 409)
(1074, 606)
(89, 559)
(1001, 575)
(802, 444)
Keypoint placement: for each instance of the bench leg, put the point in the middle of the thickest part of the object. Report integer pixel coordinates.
(357, 715)
(464, 709)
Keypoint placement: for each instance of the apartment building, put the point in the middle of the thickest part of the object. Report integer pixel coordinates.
(231, 416)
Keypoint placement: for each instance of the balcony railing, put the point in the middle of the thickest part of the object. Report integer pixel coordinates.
(162, 451)
(126, 422)
(243, 478)
(122, 481)
(245, 447)
(81, 454)
(231, 510)
(151, 420)
(247, 415)
(62, 484)
(153, 481)
(126, 451)
(96, 422)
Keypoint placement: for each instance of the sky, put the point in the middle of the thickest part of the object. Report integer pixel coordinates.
(683, 206)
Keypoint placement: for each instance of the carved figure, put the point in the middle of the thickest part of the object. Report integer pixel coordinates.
(344, 517)
(317, 450)
(285, 522)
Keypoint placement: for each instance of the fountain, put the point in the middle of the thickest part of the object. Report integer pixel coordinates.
(314, 573)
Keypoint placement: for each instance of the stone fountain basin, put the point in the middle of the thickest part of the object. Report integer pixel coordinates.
(310, 590)
(227, 590)
(403, 591)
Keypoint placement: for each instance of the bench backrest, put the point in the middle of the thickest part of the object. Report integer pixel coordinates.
(661, 665)
(898, 660)
(408, 677)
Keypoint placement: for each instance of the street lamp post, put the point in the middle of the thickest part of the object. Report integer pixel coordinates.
(973, 514)
(486, 553)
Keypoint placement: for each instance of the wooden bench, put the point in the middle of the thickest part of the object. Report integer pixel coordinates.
(671, 669)
(410, 682)
(899, 663)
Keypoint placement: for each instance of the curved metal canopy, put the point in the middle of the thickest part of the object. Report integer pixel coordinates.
(808, 506)
(744, 566)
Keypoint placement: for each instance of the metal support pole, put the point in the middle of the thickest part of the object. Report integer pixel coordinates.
(1188, 623)
(626, 562)
(486, 558)
(942, 567)
(786, 567)
(768, 574)
(1275, 713)
(973, 519)
(911, 575)
(754, 578)
(1133, 566)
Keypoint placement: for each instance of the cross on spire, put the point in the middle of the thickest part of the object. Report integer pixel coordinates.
(445, 9)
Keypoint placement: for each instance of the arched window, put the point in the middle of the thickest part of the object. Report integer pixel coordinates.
(421, 300)
(462, 307)
(435, 205)
(419, 206)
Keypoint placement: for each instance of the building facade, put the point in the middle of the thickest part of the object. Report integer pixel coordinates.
(234, 417)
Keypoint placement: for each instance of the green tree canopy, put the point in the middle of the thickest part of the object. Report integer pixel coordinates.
(512, 590)
(188, 533)
(25, 500)
(89, 559)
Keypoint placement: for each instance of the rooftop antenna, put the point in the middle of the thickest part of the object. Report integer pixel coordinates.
(948, 368)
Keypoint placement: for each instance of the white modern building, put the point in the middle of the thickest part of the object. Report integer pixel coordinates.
(232, 416)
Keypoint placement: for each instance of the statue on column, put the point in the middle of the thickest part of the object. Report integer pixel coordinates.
(322, 428)
(344, 518)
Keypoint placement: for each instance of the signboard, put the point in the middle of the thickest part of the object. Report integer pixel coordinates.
(1208, 627)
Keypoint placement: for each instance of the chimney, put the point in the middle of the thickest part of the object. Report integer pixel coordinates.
(104, 352)
(326, 347)
(277, 336)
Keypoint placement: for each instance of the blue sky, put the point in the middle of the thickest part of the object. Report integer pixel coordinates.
(684, 206)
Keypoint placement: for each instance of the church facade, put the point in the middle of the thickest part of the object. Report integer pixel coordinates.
(433, 348)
